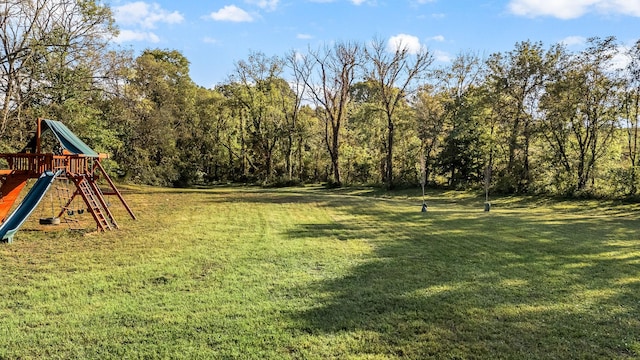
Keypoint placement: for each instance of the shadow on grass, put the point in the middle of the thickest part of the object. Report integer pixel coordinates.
(525, 281)
(461, 284)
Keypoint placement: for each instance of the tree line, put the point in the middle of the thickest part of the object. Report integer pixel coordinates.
(535, 119)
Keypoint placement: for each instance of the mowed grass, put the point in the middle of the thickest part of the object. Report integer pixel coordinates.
(309, 273)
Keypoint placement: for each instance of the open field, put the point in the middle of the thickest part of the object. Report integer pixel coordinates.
(309, 273)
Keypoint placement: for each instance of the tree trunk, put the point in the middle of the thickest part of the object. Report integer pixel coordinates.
(335, 158)
(582, 179)
(289, 157)
(513, 144)
(526, 179)
(301, 168)
(389, 170)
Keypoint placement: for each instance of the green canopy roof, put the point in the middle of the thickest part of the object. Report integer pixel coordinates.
(68, 139)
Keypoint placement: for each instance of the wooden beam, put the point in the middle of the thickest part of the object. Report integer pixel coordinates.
(114, 188)
(38, 133)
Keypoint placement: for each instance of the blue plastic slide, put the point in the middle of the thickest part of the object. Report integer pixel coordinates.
(26, 207)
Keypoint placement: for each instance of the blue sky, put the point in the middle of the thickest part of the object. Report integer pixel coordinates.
(213, 35)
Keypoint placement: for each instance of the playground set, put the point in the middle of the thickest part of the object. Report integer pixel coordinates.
(73, 161)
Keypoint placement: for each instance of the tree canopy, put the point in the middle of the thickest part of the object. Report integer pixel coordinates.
(534, 119)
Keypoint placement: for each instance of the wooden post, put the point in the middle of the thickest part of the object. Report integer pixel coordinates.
(114, 188)
(38, 133)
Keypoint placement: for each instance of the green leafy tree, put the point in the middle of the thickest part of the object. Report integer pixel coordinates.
(162, 99)
(631, 116)
(53, 61)
(217, 137)
(259, 93)
(515, 84)
(462, 158)
(580, 108)
(394, 72)
(292, 107)
(328, 75)
(459, 97)
(431, 120)
(365, 135)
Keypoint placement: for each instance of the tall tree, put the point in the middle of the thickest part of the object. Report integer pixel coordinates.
(291, 108)
(631, 115)
(430, 116)
(217, 137)
(365, 135)
(235, 109)
(515, 83)
(260, 94)
(328, 74)
(462, 158)
(580, 112)
(51, 51)
(163, 97)
(457, 86)
(393, 69)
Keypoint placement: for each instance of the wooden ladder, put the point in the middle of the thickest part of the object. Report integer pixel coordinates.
(96, 203)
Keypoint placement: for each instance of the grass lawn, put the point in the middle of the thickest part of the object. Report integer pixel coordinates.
(309, 273)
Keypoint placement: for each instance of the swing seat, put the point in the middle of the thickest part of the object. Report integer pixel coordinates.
(50, 221)
(70, 212)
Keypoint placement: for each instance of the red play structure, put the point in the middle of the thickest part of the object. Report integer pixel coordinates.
(73, 160)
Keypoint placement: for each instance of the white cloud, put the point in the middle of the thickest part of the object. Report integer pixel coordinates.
(354, 2)
(571, 9)
(231, 13)
(299, 56)
(130, 35)
(438, 38)
(209, 40)
(573, 40)
(619, 56)
(410, 42)
(626, 7)
(145, 15)
(621, 59)
(304, 36)
(442, 56)
(264, 4)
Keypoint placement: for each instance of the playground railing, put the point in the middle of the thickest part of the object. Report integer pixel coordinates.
(36, 164)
